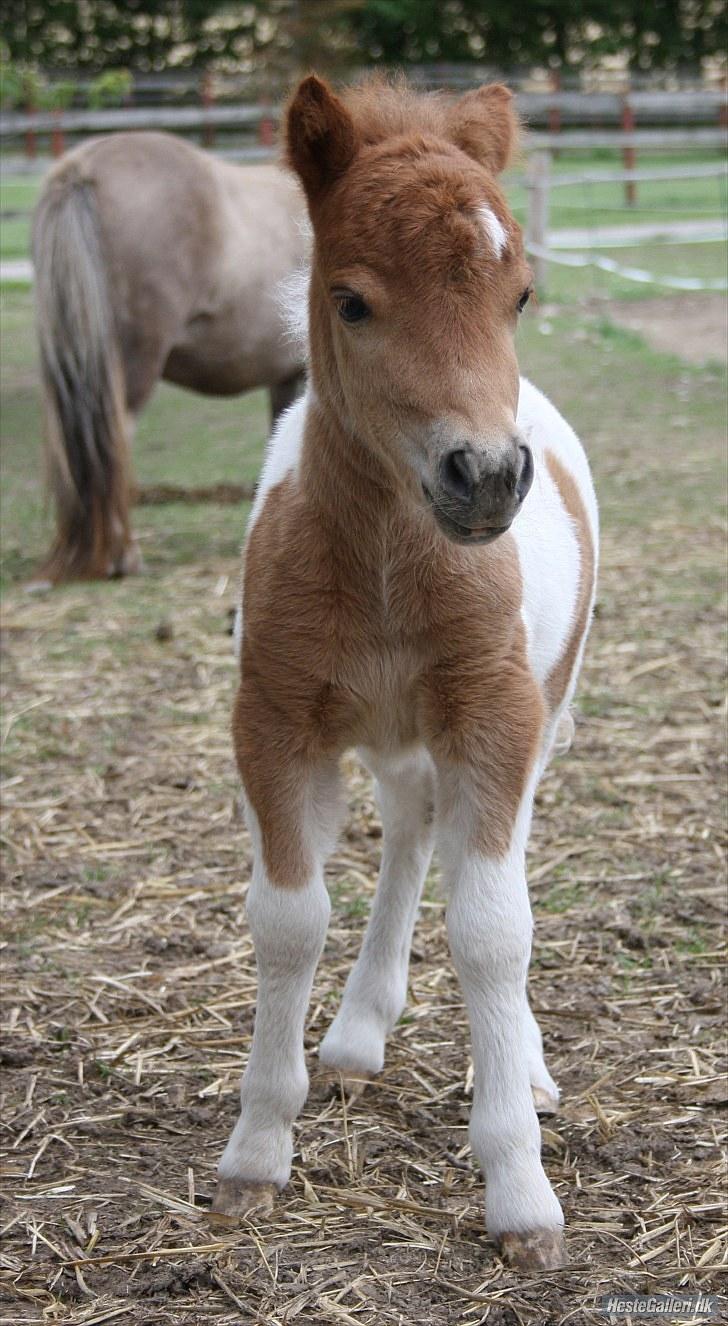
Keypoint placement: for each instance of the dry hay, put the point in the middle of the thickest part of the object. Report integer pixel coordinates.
(129, 991)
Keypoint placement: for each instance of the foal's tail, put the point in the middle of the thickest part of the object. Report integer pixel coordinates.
(86, 438)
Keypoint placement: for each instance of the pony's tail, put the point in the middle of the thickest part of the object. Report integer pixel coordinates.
(87, 447)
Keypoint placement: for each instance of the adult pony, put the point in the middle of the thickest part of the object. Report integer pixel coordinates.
(419, 578)
(152, 259)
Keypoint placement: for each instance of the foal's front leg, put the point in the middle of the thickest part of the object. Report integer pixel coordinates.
(288, 910)
(489, 929)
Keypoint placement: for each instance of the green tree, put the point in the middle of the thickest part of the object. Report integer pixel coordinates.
(280, 37)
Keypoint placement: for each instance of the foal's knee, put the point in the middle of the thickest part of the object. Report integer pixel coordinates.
(288, 926)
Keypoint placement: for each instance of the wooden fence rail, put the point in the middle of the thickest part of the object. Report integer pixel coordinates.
(13, 125)
(541, 245)
(537, 108)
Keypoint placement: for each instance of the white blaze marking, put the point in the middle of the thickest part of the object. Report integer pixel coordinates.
(494, 229)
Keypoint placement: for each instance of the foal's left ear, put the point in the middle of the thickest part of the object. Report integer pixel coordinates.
(321, 141)
(484, 124)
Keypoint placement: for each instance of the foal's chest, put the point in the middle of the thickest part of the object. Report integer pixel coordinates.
(380, 652)
(349, 642)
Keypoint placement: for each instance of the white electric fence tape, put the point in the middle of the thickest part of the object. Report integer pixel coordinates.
(628, 273)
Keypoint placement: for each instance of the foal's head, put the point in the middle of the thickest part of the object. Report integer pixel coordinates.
(417, 282)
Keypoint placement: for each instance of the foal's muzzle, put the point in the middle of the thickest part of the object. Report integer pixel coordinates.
(476, 496)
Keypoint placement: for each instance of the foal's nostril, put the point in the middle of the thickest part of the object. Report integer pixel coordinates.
(526, 476)
(459, 474)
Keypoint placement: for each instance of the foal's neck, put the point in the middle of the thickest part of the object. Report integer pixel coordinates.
(359, 499)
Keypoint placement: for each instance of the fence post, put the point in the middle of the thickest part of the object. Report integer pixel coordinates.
(629, 155)
(207, 97)
(554, 118)
(58, 142)
(31, 145)
(266, 127)
(538, 182)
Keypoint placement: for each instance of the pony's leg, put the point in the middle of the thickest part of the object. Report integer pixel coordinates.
(544, 1089)
(558, 736)
(376, 990)
(288, 920)
(489, 928)
(283, 394)
(126, 559)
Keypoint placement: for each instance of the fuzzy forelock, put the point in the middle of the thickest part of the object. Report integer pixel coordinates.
(482, 123)
(384, 108)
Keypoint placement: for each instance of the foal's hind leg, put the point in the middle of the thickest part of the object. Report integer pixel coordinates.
(376, 990)
(543, 1088)
(557, 739)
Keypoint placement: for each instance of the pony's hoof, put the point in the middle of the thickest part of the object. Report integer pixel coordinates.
(235, 1198)
(334, 1082)
(538, 1250)
(545, 1104)
(129, 563)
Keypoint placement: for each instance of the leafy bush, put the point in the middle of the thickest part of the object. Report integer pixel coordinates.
(56, 96)
(20, 85)
(110, 88)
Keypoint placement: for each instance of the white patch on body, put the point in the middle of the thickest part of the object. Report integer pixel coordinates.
(547, 542)
(494, 229)
(282, 452)
(281, 458)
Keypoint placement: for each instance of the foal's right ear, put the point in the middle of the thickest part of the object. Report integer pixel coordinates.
(321, 141)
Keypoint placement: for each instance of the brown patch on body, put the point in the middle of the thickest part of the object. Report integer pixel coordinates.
(557, 682)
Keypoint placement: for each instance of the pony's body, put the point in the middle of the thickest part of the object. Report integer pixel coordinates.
(382, 671)
(154, 260)
(419, 577)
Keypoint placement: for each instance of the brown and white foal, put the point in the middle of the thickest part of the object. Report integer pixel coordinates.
(406, 594)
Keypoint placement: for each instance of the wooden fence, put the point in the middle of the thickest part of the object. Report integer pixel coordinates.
(614, 115)
(574, 248)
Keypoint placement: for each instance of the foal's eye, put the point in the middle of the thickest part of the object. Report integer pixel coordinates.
(350, 308)
(524, 299)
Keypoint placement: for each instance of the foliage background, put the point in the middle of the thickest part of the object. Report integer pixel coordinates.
(284, 35)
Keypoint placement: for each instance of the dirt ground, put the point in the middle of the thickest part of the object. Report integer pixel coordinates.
(692, 327)
(129, 986)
